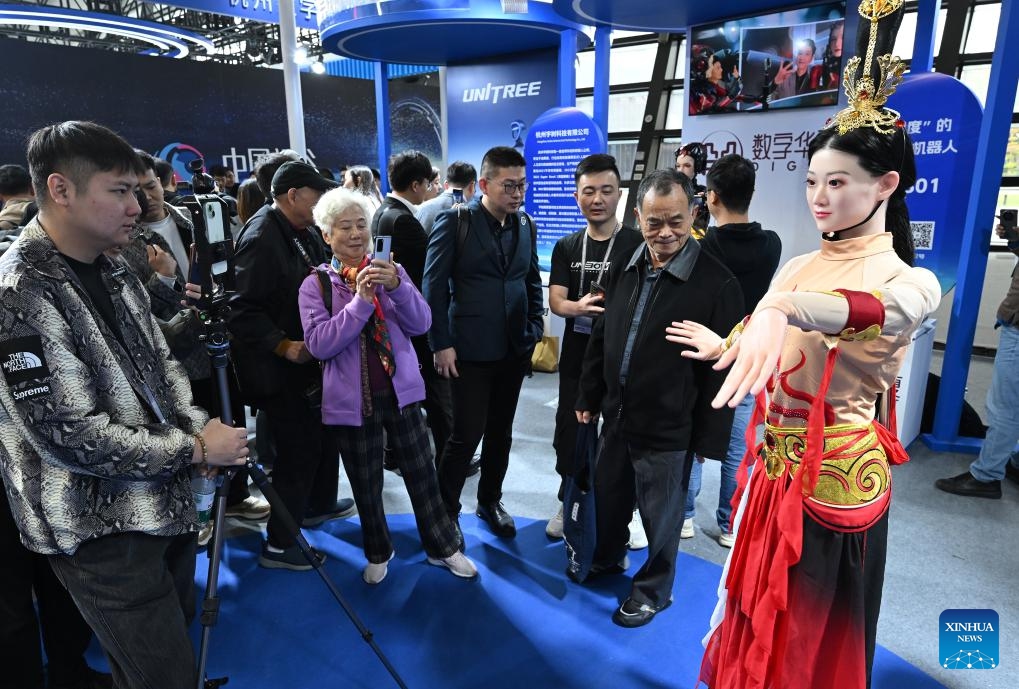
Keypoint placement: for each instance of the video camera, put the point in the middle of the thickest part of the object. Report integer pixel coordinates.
(212, 254)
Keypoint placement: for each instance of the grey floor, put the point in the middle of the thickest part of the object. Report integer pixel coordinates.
(944, 551)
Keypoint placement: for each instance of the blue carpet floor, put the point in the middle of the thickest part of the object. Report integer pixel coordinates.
(520, 625)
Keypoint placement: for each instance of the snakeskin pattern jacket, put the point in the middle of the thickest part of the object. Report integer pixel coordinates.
(96, 433)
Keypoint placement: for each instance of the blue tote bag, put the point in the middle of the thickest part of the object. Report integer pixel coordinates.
(579, 525)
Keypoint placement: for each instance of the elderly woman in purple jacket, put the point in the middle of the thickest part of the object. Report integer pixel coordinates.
(371, 381)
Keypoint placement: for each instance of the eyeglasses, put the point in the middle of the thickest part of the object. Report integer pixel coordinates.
(511, 187)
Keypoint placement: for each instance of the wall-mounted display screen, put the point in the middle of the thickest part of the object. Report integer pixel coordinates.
(785, 60)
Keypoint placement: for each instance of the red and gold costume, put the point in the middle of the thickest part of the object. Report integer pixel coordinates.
(803, 584)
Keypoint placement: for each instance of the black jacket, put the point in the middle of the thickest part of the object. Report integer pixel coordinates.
(484, 310)
(752, 254)
(269, 271)
(410, 241)
(667, 401)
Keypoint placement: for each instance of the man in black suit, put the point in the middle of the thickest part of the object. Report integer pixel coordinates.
(409, 174)
(485, 293)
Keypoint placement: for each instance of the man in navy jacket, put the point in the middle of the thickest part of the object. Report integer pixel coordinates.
(485, 293)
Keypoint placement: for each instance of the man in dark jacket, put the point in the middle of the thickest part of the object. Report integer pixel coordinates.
(486, 317)
(99, 434)
(276, 251)
(657, 404)
(409, 174)
(752, 254)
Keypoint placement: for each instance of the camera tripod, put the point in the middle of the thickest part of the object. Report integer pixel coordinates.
(217, 344)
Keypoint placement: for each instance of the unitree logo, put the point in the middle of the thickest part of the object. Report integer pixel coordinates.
(968, 639)
(496, 92)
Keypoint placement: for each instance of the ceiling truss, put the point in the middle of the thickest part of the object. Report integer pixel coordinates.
(237, 41)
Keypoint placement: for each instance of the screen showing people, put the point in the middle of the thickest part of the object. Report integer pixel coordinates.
(785, 60)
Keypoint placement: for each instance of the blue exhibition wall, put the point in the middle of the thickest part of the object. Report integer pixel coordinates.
(494, 102)
(182, 108)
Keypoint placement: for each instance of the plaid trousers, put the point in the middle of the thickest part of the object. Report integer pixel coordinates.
(361, 450)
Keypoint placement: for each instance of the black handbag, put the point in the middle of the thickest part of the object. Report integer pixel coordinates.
(579, 525)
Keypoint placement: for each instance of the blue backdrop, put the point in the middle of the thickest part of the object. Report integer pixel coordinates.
(184, 108)
(942, 117)
(495, 102)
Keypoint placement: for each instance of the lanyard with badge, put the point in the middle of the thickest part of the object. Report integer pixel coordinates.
(584, 324)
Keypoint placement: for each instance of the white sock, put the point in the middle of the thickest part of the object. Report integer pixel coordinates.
(273, 549)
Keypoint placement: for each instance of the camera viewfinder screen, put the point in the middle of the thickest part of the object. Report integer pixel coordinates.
(789, 59)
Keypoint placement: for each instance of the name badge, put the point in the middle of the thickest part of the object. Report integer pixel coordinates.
(582, 325)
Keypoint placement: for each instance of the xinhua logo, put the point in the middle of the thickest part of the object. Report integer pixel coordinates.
(968, 639)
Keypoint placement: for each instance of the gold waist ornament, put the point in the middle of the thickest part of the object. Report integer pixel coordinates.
(854, 466)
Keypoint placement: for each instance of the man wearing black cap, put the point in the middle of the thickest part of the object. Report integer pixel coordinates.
(276, 250)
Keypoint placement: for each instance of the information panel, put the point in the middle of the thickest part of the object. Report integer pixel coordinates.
(942, 118)
(556, 142)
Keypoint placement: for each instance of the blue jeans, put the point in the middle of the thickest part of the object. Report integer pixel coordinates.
(1002, 406)
(730, 464)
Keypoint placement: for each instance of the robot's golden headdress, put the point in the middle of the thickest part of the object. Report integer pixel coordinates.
(869, 83)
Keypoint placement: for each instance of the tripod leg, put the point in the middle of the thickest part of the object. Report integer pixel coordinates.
(262, 481)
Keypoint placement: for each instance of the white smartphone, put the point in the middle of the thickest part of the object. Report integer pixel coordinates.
(383, 248)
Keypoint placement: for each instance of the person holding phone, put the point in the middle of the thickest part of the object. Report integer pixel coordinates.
(359, 314)
(409, 175)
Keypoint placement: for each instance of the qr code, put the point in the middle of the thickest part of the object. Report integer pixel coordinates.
(923, 235)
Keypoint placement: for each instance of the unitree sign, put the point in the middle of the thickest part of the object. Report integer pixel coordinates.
(266, 11)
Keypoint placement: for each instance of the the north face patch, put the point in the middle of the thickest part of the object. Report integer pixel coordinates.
(23, 361)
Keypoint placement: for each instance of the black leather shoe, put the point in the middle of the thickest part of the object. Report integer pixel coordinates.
(344, 507)
(965, 484)
(499, 520)
(634, 614)
(475, 466)
(1011, 471)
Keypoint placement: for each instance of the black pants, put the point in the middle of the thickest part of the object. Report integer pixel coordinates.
(660, 479)
(137, 592)
(484, 403)
(564, 440)
(307, 467)
(438, 402)
(64, 633)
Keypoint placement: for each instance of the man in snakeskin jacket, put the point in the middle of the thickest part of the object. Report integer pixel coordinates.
(97, 429)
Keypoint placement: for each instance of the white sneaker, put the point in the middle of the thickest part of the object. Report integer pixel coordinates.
(374, 573)
(638, 539)
(457, 563)
(554, 528)
(726, 539)
(687, 531)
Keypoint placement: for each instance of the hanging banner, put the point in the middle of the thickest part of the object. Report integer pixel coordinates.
(942, 117)
(558, 140)
(266, 11)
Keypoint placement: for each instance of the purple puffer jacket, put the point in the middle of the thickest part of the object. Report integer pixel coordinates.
(333, 340)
